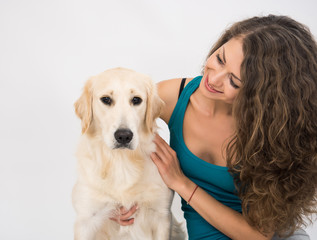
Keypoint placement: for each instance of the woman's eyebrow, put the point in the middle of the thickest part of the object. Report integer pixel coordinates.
(224, 60)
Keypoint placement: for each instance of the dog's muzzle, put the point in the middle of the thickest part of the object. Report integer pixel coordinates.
(123, 137)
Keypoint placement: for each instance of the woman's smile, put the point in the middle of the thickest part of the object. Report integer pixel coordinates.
(209, 87)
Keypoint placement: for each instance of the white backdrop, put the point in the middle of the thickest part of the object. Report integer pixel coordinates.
(48, 49)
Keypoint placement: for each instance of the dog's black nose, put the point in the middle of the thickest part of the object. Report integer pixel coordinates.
(123, 136)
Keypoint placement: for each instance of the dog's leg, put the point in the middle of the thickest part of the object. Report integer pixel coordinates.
(177, 230)
(164, 228)
(84, 230)
(92, 215)
(95, 227)
(90, 228)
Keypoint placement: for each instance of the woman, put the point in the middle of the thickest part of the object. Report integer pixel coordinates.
(249, 123)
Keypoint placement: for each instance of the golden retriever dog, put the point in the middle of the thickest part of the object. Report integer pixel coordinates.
(118, 109)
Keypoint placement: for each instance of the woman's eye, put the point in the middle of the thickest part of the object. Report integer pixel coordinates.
(106, 100)
(219, 59)
(233, 84)
(136, 101)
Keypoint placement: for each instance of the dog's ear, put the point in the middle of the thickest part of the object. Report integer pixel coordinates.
(153, 108)
(83, 106)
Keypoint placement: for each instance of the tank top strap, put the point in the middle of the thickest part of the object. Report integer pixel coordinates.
(181, 87)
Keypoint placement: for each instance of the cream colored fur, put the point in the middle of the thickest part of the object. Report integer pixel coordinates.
(110, 175)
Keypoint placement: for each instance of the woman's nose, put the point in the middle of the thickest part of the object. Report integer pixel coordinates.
(218, 77)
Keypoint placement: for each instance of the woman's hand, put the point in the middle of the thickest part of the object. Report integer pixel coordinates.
(166, 160)
(222, 217)
(123, 216)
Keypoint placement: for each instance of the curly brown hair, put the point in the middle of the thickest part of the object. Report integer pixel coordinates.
(273, 155)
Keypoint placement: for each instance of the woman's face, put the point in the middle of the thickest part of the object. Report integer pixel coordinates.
(221, 80)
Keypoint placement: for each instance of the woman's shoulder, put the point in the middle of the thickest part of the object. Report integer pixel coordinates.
(168, 91)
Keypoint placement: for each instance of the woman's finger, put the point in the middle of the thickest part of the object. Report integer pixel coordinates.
(124, 214)
(160, 152)
(157, 161)
(126, 222)
(162, 148)
(123, 222)
(163, 145)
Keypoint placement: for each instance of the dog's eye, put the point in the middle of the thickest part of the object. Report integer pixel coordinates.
(106, 100)
(136, 100)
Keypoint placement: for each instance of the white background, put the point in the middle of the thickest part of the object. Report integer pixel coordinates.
(48, 49)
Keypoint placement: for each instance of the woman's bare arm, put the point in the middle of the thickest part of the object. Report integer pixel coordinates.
(168, 91)
(225, 219)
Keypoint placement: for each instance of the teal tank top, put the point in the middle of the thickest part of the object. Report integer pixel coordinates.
(215, 180)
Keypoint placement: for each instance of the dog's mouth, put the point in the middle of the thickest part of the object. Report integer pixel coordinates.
(122, 146)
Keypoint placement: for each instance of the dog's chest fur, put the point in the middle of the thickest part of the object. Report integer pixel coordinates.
(120, 176)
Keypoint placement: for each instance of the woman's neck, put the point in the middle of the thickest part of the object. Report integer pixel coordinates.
(209, 107)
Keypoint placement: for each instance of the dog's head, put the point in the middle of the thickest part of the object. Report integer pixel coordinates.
(119, 105)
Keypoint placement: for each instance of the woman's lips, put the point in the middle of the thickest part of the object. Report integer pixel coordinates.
(209, 87)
